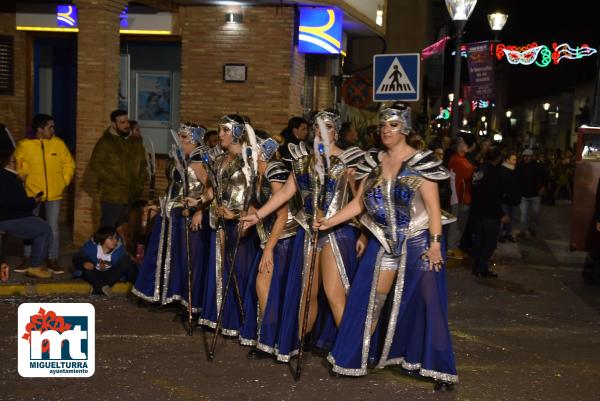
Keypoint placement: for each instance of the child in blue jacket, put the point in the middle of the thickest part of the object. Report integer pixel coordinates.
(102, 261)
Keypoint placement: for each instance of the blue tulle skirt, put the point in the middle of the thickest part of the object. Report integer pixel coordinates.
(412, 330)
(221, 249)
(324, 331)
(344, 250)
(163, 275)
(264, 333)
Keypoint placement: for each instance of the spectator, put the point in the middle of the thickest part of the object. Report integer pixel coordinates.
(16, 217)
(102, 261)
(7, 143)
(135, 129)
(211, 138)
(486, 212)
(477, 157)
(120, 166)
(295, 132)
(348, 135)
(372, 139)
(531, 177)
(564, 171)
(417, 142)
(47, 167)
(511, 196)
(463, 170)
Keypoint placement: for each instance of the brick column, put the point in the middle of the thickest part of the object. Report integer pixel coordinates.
(97, 91)
(13, 108)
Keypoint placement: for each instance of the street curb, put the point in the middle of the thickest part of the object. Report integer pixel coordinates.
(10, 290)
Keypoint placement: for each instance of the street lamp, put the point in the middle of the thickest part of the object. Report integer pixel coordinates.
(546, 106)
(497, 21)
(508, 113)
(460, 11)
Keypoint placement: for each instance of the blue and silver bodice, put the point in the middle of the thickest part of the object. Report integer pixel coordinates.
(276, 172)
(307, 183)
(395, 208)
(175, 191)
(229, 185)
(337, 192)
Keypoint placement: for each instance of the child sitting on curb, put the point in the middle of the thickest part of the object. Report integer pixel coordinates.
(102, 261)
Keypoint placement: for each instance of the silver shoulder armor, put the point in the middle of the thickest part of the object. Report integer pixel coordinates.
(298, 151)
(277, 172)
(368, 163)
(428, 166)
(351, 156)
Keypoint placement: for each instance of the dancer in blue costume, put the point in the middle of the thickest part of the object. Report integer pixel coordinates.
(163, 274)
(399, 194)
(266, 293)
(337, 259)
(231, 178)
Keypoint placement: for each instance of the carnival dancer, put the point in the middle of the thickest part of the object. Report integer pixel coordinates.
(399, 194)
(325, 186)
(163, 275)
(231, 174)
(266, 289)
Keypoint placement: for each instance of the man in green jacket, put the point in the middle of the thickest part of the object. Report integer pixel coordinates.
(118, 160)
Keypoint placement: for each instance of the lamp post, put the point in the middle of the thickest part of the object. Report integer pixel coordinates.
(460, 11)
(497, 21)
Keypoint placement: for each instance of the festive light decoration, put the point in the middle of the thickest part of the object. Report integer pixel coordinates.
(541, 55)
(564, 51)
(479, 104)
(444, 114)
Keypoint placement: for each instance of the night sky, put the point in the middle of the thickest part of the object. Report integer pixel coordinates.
(544, 23)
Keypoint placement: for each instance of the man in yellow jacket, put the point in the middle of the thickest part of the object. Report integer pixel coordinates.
(47, 167)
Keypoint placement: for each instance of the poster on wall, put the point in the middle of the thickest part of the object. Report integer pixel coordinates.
(124, 82)
(153, 98)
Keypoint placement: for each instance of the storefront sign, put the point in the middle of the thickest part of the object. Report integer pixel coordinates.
(66, 16)
(320, 30)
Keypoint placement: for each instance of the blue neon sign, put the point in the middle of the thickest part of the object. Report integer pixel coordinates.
(124, 18)
(66, 16)
(320, 30)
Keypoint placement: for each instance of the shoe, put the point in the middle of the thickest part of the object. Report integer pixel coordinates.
(486, 274)
(255, 353)
(38, 272)
(502, 240)
(23, 266)
(510, 238)
(443, 386)
(334, 374)
(456, 254)
(106, 290)
(54, 267)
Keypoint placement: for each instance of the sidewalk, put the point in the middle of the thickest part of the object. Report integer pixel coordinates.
(549, 251)
(19, 284)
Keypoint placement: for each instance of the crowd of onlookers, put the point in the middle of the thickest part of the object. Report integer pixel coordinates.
(495, 193)
(33, 177)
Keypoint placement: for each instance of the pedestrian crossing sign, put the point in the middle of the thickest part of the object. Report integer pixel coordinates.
(396, 77)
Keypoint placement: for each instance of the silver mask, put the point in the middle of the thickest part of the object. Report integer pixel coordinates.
(399, 113)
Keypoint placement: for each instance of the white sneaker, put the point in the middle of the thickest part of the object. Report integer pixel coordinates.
(106, 290)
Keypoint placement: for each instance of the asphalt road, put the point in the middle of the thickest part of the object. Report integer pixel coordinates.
(532, 334)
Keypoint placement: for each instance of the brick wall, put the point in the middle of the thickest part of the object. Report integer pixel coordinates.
(323, 85)
(13, 109)
(97, 88)
(264, 42)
